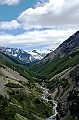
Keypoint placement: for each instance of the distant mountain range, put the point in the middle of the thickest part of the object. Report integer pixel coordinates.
(25, 56)
(68, 46)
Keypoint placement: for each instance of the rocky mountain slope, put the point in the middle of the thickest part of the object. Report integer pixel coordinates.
(68, 104)
(68, 46)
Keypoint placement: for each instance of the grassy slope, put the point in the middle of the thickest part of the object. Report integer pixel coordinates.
(24, 102)
(46, 70)
(15, 65)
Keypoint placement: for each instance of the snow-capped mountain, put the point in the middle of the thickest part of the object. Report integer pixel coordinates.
(20, 54)
(27, 56)
(39, 54)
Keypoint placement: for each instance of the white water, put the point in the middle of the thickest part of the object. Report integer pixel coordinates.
(46, 93)
(53, 117)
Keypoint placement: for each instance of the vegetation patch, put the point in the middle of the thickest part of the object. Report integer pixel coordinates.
(19, 117)
(12, 85)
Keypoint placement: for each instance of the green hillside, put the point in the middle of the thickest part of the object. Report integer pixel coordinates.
(16, 65)
(46, 70)
(24, 98)
(9, 58)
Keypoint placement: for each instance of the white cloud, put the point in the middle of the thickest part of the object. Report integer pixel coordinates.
(9, 25)
(9, 2)
(60, 13)
(51, 37)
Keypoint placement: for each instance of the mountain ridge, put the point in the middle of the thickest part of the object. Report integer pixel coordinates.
(24, 56)
(68, 46)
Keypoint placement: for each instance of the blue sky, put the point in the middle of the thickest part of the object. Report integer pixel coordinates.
(11, 12)
(37, 24)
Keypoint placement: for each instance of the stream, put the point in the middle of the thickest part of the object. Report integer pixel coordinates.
(45, 95)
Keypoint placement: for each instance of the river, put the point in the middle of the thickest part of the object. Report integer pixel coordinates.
(45, 95)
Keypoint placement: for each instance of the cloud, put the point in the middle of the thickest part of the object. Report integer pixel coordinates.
(9, 2)
(35, 38)
(9, 25)
(41, 3)
(59, 13)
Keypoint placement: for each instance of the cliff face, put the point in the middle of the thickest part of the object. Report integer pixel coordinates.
(68, 46)
(74, 75)
(68, 104)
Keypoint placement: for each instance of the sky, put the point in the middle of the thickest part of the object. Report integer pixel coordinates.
(37, 24)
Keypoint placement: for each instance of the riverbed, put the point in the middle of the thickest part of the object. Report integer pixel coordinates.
(45, 95)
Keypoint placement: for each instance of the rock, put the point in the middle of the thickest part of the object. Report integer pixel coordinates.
(69, 105)
(62, 112)
(59, 106)
(57, 117)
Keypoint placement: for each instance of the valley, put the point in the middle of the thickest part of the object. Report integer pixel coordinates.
(22, 96)
(46, 90)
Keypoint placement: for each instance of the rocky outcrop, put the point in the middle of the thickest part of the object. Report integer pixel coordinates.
(69, 106)
(73, 100)
(74, 74)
